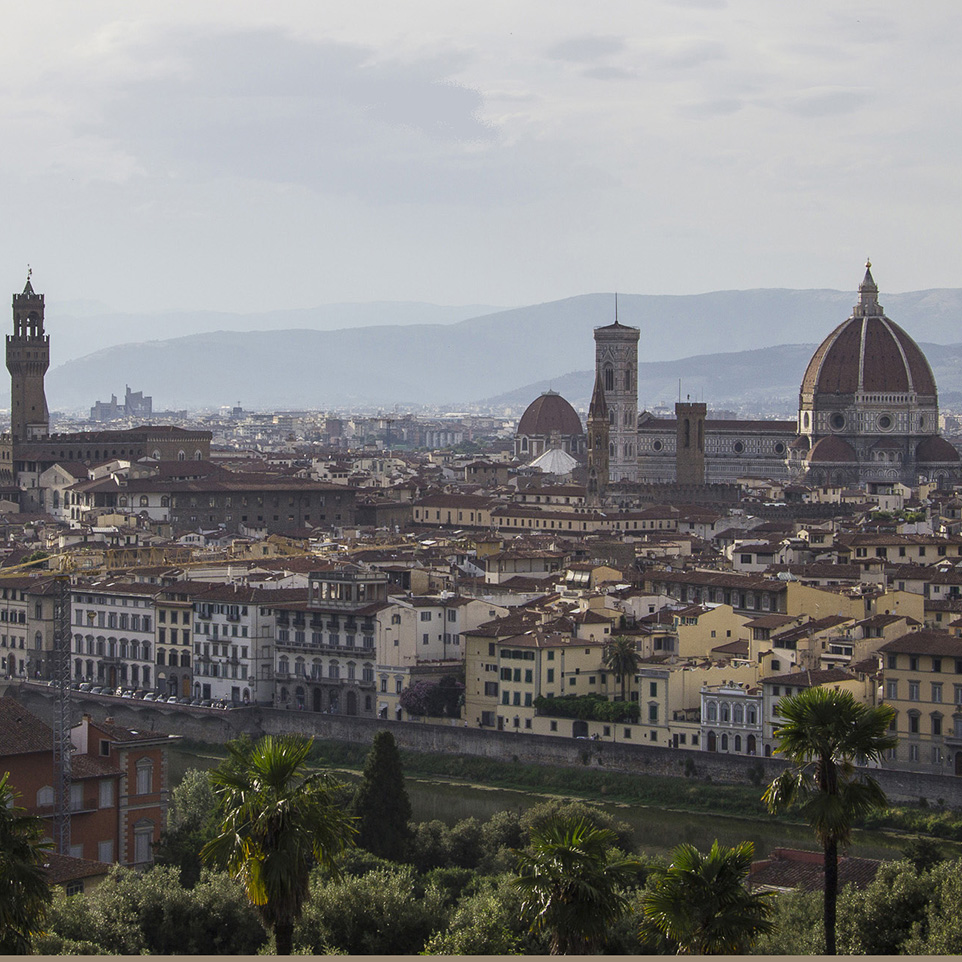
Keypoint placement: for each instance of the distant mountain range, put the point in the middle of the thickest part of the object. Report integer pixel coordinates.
(725, 346)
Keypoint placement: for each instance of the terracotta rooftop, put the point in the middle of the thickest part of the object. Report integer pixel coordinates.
(787, 868)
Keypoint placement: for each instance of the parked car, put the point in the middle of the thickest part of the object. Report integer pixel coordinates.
(85, 686)
(150, 696)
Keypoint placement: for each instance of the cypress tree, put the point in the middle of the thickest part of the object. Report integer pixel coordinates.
(381, 804)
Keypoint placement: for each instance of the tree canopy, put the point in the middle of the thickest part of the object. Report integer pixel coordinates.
(700, 902)
(277, 821)
(24, 892)
(381, 803)
(825, 733)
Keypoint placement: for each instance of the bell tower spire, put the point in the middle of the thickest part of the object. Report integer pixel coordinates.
(28, 357)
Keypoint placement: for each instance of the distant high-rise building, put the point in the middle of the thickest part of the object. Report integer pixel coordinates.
(616, 363)
(28, 357)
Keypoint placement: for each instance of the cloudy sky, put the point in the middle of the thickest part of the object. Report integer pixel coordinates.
(247, 155)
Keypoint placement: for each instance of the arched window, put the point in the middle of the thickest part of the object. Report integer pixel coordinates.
(752, 717)
(299, 668)
(181, 455)
(123, 501)
(38, 640)
(738, 714)
(609, 376)
(45, 796)
(725, 712)
(724, 743)
(165, 501)
(712, 711)
(738, 743)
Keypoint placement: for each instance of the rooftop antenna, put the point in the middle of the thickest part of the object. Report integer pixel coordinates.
(616, 307)
(679, 390)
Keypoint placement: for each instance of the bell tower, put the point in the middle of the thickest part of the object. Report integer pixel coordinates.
(28, 357)
(596, 488)
(616, 363)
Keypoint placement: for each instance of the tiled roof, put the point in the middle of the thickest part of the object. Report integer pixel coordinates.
(792, 869)
(926, 642)
(65, 868)
(22, 733)
(809, 679)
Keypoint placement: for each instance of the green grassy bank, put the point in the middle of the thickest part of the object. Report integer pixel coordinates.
(683, 794)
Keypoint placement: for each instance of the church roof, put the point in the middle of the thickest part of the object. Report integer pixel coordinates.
(832, 449)
(555, 461)
(936, 449)
(868, 353)
(548, 413)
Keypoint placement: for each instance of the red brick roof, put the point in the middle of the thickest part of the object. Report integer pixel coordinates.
(787, 868)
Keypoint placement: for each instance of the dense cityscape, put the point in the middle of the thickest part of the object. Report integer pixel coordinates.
(465, 488)
(636, 588)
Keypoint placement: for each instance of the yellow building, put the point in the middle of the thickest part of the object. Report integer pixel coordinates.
(922, 681)
(702, 627)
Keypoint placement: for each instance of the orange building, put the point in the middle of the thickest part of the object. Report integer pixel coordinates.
(118, 785)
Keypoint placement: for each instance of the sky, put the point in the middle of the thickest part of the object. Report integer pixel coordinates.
(248, 156)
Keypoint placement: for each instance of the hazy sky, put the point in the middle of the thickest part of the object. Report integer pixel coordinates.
(251, 155)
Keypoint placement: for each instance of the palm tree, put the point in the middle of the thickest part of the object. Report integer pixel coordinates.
(622, 657)
(701, 903)
(825, 733)
(278, 821)
(24, 890)
(571, 886)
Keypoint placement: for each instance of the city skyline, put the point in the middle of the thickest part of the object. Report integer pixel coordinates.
(241, 158)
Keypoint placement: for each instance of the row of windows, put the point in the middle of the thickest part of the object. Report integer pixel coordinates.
(97, 672)
(111, 648)
(204, 628)
(171, 658)
(214, 669)
(935, 664)
(726, 712)
(317, 639)
(111, 619)
(316, 669)
(915, 691)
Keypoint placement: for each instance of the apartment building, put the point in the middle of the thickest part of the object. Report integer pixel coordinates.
(118, 786)
(922, 681)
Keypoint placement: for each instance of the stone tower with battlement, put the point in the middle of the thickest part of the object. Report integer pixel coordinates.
(616, 366)
(28, 357)
(690, 444)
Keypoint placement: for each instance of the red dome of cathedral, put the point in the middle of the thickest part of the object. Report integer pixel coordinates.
(550, 413)
(868, 353)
